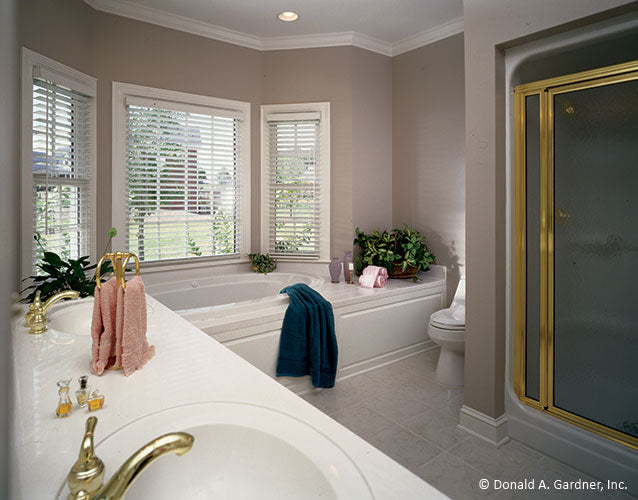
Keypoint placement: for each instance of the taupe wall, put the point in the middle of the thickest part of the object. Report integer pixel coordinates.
(490, 26)
(371, 140)
(134, 52)
(428, 149)
(314, 75)
(62, 30)
(114, 48)
(9, 262)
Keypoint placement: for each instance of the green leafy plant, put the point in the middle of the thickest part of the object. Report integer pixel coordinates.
(262, 263)
(403, 248)
(59, 274)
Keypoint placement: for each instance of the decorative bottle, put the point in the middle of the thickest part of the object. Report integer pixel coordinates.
(347, 260)
(64, 404)
(82, 394)
(96, 401)
(335, 269)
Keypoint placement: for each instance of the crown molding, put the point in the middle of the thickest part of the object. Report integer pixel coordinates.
(151, 15)
(426, 37)
(155, 16)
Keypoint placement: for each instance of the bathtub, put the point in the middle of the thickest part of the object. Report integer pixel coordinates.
(244, 311)
(239, 291)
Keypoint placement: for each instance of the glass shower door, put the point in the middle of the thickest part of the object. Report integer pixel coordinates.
(576, 241)
(594, 363)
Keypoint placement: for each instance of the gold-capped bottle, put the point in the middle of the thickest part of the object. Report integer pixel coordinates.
(64, 403)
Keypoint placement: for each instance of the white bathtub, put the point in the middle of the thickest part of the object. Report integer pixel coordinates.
(244, 311)
(224, 291)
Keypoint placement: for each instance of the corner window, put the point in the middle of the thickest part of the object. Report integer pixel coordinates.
(58, 139)
(181, 174)
(296, 180)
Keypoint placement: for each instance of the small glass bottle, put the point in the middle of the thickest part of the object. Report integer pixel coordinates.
(64, 404)
(96, 401)
(82, 394)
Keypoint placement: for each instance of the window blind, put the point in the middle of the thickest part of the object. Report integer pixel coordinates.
(183, 181)
(294, 193)
(62, 193)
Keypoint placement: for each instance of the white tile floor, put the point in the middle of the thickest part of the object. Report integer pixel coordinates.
(401, 410)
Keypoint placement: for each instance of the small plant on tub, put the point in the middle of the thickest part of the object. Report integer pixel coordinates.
(402, 252)
(262, 263)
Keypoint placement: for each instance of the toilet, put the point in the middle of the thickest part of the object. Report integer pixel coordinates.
(447, 329)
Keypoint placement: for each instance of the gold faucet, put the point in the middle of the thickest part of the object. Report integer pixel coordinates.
(35, 318)
(86, 476)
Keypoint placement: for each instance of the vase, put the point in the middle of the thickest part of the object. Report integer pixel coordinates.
(335, 269)
(347, 260)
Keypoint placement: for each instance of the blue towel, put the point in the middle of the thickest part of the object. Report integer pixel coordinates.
(308, 344)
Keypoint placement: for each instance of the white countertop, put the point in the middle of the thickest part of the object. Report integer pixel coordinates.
(188, 367)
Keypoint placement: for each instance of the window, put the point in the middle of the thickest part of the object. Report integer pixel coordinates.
(180, 174)
(58, 161)
(296, 180)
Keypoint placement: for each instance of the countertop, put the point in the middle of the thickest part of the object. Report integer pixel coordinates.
(188, 367)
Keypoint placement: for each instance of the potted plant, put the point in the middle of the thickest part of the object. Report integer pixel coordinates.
(402, 252)
(262, 263)
(57, 274)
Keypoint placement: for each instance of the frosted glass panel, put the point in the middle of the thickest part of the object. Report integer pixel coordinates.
(532, 177)
(596, 254)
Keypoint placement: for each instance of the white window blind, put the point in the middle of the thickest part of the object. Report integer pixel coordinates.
(62, 193)
(294, 194)
(182, 180)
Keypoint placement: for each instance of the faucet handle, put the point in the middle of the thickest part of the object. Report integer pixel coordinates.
(87, 474)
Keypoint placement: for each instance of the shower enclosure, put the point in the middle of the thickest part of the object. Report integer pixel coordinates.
(576, 349)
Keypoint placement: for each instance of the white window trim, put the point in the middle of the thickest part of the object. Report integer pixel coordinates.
(323, 108)
(75, 80)
(118, 187)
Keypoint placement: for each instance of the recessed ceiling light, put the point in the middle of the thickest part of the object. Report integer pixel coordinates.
(288, 16)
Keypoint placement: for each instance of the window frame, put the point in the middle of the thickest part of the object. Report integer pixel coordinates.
(118, 169)
(77, 81)
(323, 108)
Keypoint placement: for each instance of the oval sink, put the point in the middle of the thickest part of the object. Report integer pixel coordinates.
(241, 452)
(74, 317)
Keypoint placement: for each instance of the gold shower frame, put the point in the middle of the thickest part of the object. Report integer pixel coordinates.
(546, 90)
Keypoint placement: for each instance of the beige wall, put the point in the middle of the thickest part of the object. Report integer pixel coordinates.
(314, 75)
(491, 25)
(9, 263)
(428, 149)
(134, 52)
(114, 48)
(62, 30)
(371, 140)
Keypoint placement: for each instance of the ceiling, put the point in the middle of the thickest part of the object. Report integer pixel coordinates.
(386, 26)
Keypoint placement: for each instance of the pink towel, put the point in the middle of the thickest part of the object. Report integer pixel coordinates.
(135, 351)
(103, 326)
(373, 276)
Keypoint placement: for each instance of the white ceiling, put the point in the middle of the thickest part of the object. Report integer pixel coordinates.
(386, 26)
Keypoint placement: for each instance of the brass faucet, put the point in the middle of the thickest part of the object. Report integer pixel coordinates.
(87, 475)
(35, 318)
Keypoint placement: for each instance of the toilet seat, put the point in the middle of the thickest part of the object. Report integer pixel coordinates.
(452, 319)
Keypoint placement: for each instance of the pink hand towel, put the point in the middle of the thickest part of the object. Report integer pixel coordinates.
(373, 276)
(382, 278)
(135, 351)
(103, 326)
(367, 280)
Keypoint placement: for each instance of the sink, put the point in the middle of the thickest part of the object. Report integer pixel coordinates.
(241, 452)
(74, 317)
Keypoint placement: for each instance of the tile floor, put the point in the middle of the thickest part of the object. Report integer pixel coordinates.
(401, 410)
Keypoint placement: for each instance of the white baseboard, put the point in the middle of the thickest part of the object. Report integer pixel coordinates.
(493, 430)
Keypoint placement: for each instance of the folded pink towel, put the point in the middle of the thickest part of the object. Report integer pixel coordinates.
(373, 276)
(367, 280)
(135, 351)
(103, 326)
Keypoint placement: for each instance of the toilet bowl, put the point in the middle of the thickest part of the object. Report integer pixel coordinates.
(447, 329)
